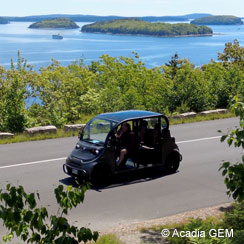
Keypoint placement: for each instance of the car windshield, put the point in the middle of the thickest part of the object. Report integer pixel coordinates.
(97, 130)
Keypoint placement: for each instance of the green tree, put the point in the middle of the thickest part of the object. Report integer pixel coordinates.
(173, 65)
(3, 86)
(189, 87)
(234, 172)
(15, 90)
(233, 54)
(60, 90)
(14, 113)
(125, 83)
(219, 85)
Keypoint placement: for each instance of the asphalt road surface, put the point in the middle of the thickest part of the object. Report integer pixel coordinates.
(198, 183)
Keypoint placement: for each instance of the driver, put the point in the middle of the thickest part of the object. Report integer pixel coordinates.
(126, 142)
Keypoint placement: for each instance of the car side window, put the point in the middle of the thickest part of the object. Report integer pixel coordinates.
(163, 123)
(152, 122)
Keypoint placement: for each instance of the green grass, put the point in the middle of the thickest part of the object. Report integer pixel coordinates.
(200, 118)
(109, 239)
(232, 218)
(189, 225)
(22, 137)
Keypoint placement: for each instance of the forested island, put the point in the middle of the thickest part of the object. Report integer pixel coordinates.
(139, 27)
(57, 23)
(218, 20)
(3, 20)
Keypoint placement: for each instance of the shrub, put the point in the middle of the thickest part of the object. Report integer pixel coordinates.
(32, 224)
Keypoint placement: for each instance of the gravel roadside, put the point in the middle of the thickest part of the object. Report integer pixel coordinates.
(130, 234)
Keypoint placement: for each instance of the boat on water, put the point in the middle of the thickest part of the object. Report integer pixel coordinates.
(57, 36)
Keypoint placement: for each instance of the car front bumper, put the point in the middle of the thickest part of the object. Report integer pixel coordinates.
(75, 168)
(75, 172)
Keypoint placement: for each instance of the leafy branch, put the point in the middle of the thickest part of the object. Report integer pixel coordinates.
(234, 173)
(23, 219)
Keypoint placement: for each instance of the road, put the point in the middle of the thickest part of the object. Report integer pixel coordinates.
(38, 167)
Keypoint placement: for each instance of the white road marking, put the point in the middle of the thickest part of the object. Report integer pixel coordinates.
(57, 159)
(201, 139)
(31, 163)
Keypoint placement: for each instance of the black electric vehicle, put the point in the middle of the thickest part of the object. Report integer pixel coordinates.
(94, 156)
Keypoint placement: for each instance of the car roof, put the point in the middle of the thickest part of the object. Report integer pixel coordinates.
(127, 115)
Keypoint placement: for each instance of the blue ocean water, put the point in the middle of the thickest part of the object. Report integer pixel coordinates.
(38, 47)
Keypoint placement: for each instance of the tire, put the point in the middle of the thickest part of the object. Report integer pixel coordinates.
(173, 162)
(101, 175)
(80, 180)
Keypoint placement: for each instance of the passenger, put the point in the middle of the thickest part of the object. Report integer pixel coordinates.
(156, 135)
(125, 138)
(152, 143)
(142, 131)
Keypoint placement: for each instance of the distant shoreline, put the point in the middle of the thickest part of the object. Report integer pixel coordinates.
(163, 36)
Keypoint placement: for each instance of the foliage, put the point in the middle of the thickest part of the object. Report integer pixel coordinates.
(232, 218)
(55, 23)
(61, 133)
(197, 225)
(139, 27)
(14, 112)
(14, 84)
(60, 90)
(234, 173)
(218, 20)
(190, 87)
(220, 88)
(33, 224)
(109, 239)
(233, 54)
(235, 219)
(61, 95)
(126, 83)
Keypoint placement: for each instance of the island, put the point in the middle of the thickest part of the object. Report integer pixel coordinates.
(218, 20)
(3, 20)
(139, 27)
(57, 23)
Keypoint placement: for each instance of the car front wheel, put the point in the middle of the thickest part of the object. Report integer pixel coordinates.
(101, 175)
(173, 162)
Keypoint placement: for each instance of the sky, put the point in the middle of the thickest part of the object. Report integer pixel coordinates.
(121, 7)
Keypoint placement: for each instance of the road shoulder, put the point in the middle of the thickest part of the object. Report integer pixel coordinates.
(130, 233)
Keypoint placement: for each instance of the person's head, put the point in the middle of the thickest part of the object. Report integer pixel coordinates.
(126, 127)
(143, 123)
(143, 126)
(156, 129)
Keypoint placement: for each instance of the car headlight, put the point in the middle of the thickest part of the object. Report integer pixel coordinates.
(78, 146)
(95, 151)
